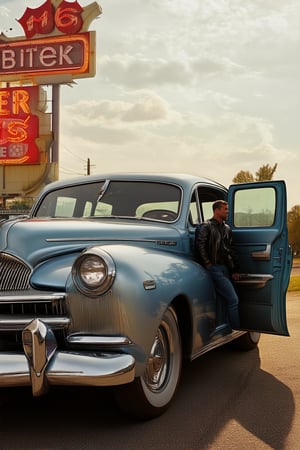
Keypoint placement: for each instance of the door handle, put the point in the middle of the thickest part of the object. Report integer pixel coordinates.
(263, 255)
(253, 280)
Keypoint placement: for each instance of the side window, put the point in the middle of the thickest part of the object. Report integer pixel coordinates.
(201, 203)
(193, 214)
(254, 207)
(207, 210)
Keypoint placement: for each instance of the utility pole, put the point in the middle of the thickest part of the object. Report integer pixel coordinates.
(89, 166)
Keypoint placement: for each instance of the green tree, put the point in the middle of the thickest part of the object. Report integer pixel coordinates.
(264, 173)
(293, 220)
(243, 177)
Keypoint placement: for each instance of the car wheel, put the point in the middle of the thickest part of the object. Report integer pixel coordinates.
(149, 396)
(247, 341)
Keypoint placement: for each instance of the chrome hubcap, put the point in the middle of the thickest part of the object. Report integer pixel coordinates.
(158, 362)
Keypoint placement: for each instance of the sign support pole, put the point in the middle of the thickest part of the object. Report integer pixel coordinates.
(55, 122)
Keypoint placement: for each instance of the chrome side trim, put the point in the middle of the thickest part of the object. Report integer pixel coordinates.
(218, 343)
(115, 239)
(98, 340)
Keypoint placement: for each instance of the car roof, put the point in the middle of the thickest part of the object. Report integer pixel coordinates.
(183, 179)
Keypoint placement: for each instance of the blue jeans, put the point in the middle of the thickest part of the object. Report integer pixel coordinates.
(225, 290)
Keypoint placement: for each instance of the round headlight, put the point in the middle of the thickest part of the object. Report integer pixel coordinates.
(93, 272)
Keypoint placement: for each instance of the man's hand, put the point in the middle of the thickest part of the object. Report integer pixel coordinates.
(235, 276)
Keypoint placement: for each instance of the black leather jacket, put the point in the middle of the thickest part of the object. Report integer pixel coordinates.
(213, 244)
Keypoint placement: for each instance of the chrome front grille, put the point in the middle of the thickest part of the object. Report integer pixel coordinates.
(34, 304)
(18, 309)
(20, 304)
(14, 273)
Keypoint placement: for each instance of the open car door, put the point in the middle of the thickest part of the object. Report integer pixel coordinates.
(258, 219)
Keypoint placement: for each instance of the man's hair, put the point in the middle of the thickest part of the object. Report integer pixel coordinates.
(218, 204)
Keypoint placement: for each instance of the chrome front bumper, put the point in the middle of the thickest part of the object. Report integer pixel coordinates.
(42, 365)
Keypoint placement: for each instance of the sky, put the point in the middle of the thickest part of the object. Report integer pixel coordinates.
(203, 87)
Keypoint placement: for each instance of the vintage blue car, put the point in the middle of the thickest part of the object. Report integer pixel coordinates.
(99, 285)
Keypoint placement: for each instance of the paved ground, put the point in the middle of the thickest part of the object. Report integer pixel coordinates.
(228, 400)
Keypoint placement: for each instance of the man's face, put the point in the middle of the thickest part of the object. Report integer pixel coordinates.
(223, 212)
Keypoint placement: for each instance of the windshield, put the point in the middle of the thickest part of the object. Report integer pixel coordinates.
(130, 199)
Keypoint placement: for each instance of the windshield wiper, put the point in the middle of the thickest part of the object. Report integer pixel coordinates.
(103, 190)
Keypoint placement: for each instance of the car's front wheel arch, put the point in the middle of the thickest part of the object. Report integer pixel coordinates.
(149, 395)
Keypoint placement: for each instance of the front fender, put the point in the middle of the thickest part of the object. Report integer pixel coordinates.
(146, 283)
(53, 274)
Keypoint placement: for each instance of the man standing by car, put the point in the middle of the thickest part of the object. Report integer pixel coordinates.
(215, 252)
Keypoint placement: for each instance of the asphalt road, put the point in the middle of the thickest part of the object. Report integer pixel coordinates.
(227, 400)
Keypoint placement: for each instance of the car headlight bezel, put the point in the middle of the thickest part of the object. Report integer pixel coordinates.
(94, 272)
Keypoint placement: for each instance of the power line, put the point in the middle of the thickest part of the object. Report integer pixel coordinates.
(69, 171)
(73, 154)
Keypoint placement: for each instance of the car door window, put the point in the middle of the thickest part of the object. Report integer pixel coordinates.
(255, 207)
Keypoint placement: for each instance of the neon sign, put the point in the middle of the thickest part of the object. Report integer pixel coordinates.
(19, 127)
(46, 56)
(38, 20)
(67, 18)
(68, 49)
(56, 49)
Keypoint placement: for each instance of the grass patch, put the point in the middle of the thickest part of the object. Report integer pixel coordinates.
(294, 284)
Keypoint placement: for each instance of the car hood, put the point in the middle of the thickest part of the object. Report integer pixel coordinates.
(36, 240)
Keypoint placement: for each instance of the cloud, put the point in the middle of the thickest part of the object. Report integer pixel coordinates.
(138, 71)
(7, 25)
(149, 122)
(145, 107)
(150, 107)
(212, 65)
(208, 87)
(4, 12)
